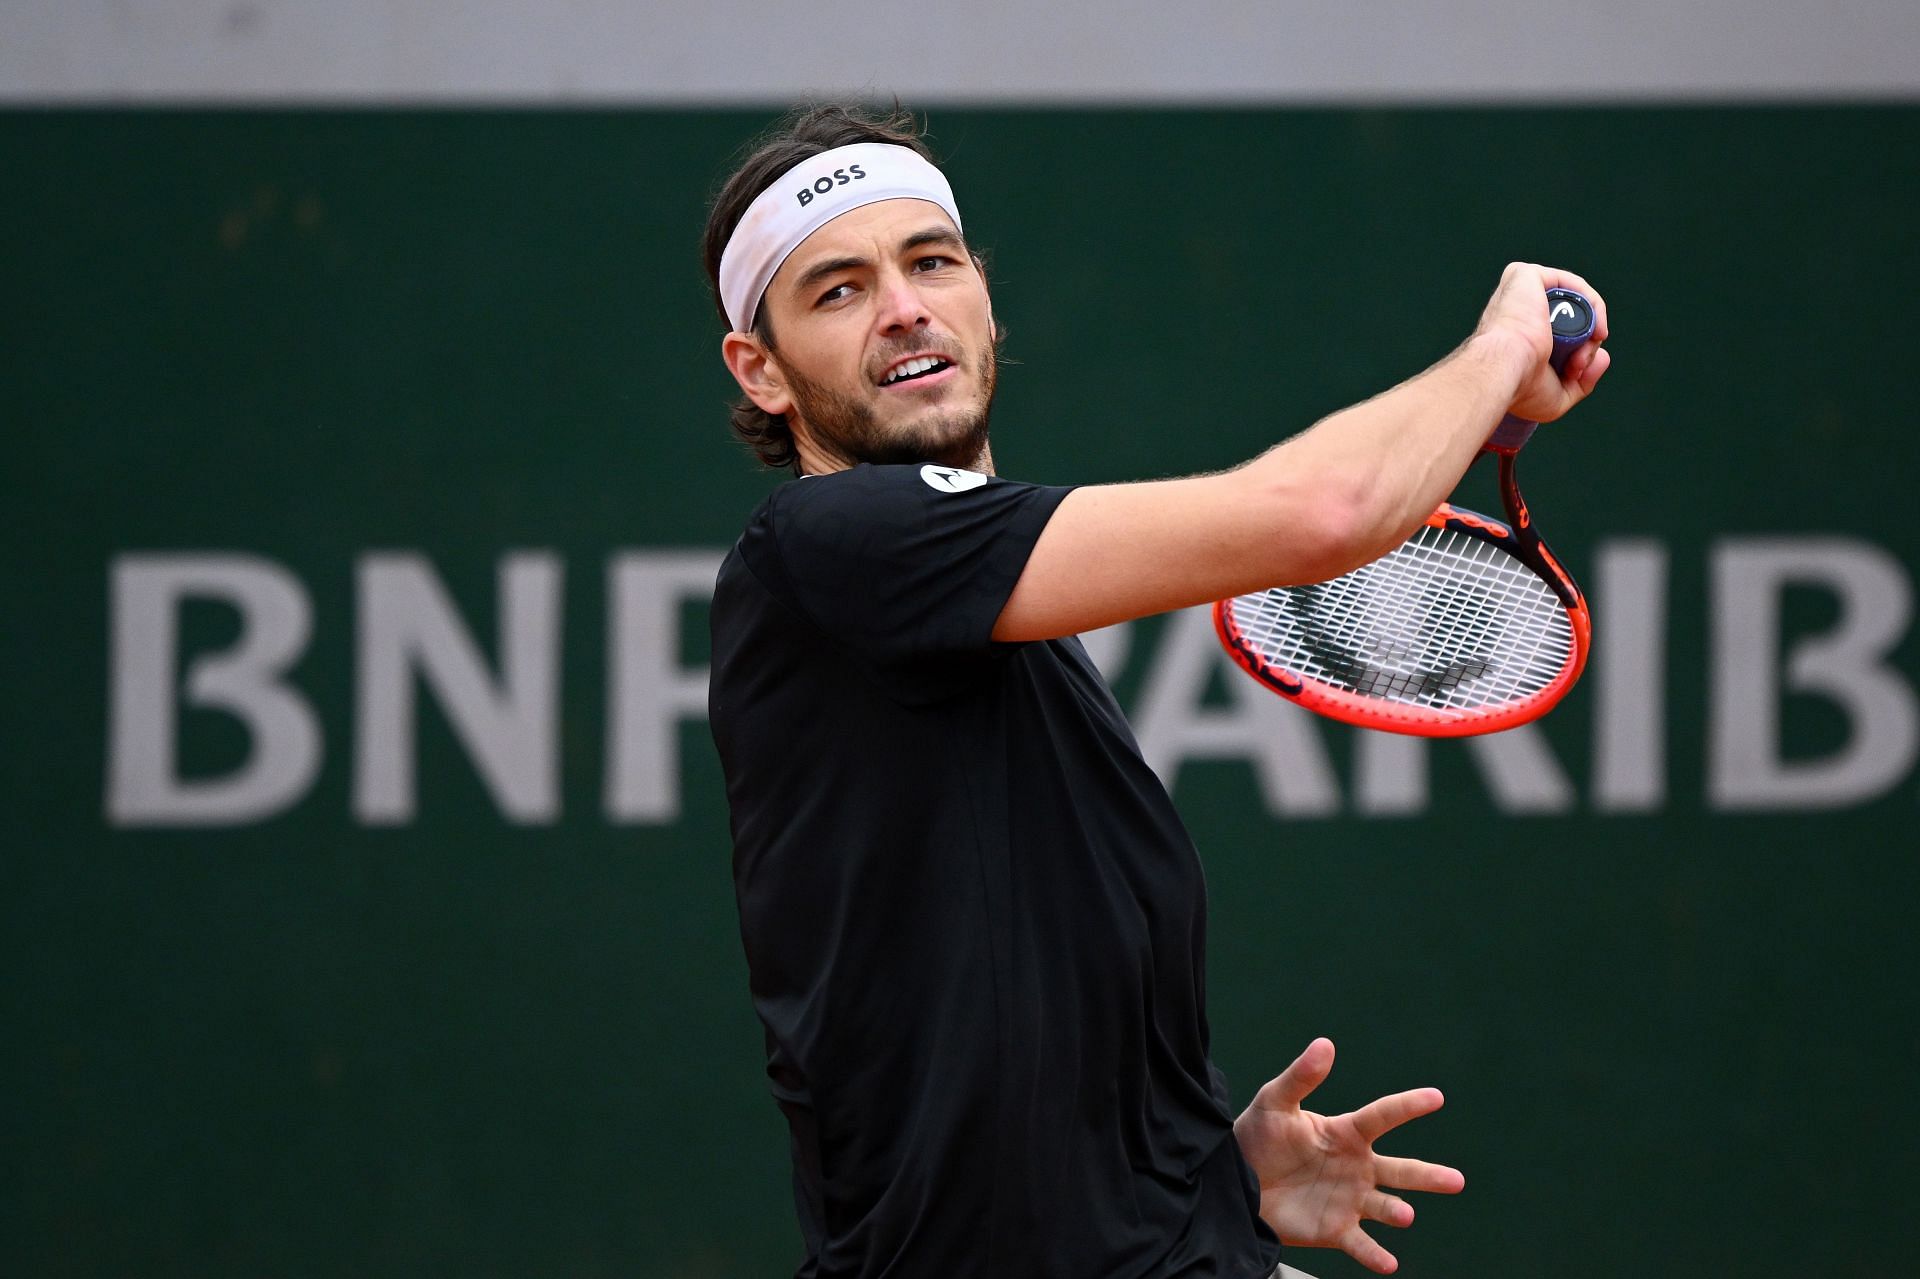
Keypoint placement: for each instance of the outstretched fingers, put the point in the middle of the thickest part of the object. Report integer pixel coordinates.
(1388, 1210)
(1417, 1174)
(1291, 1086)
(1362, 1247)
(1377, 1118)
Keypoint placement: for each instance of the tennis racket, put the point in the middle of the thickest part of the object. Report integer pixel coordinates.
(1469, 626)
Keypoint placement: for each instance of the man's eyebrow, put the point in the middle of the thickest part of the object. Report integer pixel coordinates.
(934, 235)
(821, 270)
(833, 266)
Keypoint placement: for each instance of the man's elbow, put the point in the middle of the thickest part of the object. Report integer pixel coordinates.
(1325, 530)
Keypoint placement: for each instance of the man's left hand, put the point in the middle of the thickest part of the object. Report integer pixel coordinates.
(1319, 1176)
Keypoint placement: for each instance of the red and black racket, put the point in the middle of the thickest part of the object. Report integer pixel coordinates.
(1469, 626)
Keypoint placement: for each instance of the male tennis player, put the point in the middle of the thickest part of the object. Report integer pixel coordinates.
(974, 925)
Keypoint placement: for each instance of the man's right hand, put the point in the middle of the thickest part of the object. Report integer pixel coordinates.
(1517, 315)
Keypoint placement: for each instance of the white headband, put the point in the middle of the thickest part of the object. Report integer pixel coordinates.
(806, 198)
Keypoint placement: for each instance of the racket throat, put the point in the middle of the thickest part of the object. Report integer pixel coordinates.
(1528, 542)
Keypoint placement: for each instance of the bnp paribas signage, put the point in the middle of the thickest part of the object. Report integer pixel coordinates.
(413, 643)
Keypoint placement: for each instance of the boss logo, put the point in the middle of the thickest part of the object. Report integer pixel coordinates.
(821, 186)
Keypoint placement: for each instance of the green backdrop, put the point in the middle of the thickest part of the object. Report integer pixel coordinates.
(1675, 1041)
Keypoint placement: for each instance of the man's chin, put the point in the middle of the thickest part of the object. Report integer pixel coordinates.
(949, 431)
(951, 439)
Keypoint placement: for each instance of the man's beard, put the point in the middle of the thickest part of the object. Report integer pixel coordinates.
(846, 428)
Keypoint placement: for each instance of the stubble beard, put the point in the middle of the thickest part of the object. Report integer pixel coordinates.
(845, 428)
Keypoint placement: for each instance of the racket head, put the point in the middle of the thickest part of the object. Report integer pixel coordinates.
(1471, 626)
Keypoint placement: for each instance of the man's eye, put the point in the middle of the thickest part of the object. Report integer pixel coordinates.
(931, 263)
(835, 293)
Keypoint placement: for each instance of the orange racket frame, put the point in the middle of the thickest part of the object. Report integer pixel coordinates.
(1517, 538)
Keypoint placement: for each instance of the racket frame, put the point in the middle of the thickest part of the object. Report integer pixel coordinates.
(1517, 537)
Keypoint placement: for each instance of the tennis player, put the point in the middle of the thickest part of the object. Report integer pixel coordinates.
(975, 927)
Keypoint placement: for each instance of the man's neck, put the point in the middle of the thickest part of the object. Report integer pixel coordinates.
(815, 461)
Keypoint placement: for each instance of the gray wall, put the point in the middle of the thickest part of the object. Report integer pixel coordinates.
(1010, 51)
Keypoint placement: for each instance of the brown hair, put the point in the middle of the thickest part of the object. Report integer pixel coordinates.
(801, 134)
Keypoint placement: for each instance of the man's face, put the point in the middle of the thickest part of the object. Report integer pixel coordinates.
(883, 339)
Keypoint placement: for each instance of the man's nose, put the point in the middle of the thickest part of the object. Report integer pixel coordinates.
(902, 309)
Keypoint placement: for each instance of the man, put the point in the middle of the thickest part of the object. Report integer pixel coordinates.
(974, 925)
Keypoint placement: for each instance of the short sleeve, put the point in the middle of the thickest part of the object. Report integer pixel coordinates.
(903, 564)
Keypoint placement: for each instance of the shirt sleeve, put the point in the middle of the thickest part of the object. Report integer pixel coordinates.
(906, 565)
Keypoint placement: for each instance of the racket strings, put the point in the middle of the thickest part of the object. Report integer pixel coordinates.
(1446, 622)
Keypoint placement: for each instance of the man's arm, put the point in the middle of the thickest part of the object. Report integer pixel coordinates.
(1327, 501)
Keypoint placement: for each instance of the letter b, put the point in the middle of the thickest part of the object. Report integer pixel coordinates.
(1847, 666)
(144, 787)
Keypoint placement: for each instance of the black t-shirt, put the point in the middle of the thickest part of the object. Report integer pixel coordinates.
(974, 925)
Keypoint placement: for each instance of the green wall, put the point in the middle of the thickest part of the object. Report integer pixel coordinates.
(1675, 1040)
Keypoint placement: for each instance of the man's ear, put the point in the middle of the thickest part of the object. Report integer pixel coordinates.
(986, 287)
(753, 367)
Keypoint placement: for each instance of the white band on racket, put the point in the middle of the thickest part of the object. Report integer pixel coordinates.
(806, 198)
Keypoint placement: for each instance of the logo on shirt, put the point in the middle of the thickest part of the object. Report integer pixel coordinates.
(951, 479)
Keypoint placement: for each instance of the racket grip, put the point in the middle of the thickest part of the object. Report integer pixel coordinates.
(1572, 318)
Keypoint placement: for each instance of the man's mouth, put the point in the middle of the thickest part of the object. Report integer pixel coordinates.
(920, 366)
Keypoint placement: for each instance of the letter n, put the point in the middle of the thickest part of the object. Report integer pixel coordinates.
(509, 725)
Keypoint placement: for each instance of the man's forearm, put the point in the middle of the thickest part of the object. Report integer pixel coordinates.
(1328, 500)
(1385, 463)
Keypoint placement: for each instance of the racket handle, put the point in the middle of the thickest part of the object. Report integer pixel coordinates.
(1572, 318)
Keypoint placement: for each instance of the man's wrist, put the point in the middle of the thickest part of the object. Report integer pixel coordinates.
(1507, 356)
